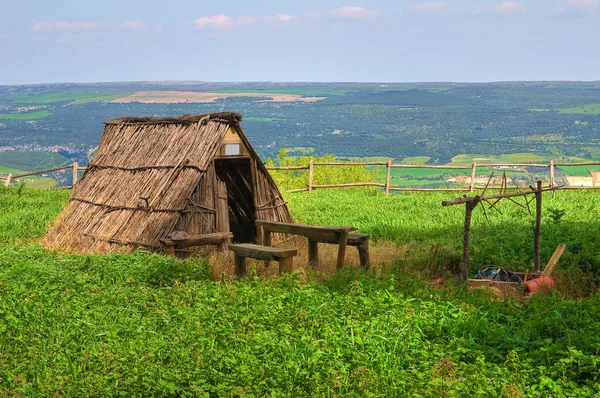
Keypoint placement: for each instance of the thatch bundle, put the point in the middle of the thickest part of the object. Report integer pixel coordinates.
(153, 176)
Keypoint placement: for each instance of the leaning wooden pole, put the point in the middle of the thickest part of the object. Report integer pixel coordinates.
(75, 171)
(469, 206)
(538, 226)
(473, 171)
(8, 179)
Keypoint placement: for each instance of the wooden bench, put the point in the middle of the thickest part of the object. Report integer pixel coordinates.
(181, 240)
(341, 236)
(267, 253)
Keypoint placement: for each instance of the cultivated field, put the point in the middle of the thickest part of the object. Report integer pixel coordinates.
(172, 97)
(144, 324)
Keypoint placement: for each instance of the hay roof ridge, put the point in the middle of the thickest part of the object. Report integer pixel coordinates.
(226, 117)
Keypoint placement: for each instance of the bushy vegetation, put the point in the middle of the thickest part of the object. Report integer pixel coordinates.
(143, 324)
(322, 175)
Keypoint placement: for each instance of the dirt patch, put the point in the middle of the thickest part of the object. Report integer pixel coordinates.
(173, 97)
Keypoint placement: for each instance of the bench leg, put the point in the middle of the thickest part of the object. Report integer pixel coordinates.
(286, 265)
(170, 250)
(313, 253)
(223, 246)
(363, 254)
(343, 242)
(240, 265)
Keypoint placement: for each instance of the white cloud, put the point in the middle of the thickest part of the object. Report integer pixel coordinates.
(433, 6)
(4, 36)
(222, 21)
(284, 17)
(588, 5)
(354, 12)
(214, 22)
(135, 24)
(45, 27)
(511, 7)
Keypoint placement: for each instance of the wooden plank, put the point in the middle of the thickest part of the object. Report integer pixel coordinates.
(200, 240)
(222, 207)
(353, 184)
(315, 232)
(466, 199)
(42, 171)
(554, 259)
(288, 168)
(350, 164)
(422, 166)
(262, 252)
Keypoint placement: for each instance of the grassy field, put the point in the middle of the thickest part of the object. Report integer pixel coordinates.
(78, 97)
(308, 93)
(25, 115)
(416, 160)
(592, 109)
(143, 324)
(32, 160)
(33, 182)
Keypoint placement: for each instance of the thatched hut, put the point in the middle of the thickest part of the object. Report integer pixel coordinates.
(152, 176)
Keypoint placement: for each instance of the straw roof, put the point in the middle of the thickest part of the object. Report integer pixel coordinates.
(140, 181)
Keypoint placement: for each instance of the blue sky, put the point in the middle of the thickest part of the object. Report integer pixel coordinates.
(45, 41)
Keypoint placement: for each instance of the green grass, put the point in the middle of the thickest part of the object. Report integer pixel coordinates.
(102, 98)
(78, 97)
(416, 160)
(25, 115)
(591, 109)
(32, 160)
(33, 182)
(522, 157)
(579, 171)
(146, 325)
(260, 119)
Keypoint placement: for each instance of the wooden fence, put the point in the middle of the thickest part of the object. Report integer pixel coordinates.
(388, 166)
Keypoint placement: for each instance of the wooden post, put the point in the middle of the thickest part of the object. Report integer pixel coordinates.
(552, 182)
(310, 176)
(387, 177)
(313, 253)
(75, 171)
(469, 206)
(170, 250)
(343, 242)
(8, 179)
(266, 241)
(474, 167)
(286, 264)
(538, 226)
(363, 254)
(240, 265)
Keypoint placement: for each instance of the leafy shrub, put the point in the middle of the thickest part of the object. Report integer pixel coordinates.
(322, 175)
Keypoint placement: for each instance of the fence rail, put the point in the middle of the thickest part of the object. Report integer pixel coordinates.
(387, 185)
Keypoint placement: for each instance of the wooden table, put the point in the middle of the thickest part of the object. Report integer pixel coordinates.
(314, 233)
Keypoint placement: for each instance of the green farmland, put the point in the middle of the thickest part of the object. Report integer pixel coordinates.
(25, 115)
(592, 109)
(142, 324)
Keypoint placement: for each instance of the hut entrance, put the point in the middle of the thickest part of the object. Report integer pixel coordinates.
(235, 184)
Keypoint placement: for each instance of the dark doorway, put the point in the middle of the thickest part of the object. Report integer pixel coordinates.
(236, 175)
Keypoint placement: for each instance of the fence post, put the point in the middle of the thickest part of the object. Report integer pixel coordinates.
(310, 176)
(75, 170)
(538, 226)
(388, 167)
(8, 179)
(552, 175)
(474, 167)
